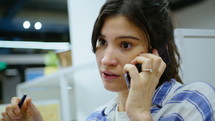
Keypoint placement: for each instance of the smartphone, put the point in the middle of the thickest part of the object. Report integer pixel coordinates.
(128, 78)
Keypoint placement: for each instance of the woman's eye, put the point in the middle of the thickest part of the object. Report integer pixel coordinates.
(126, 45)
(101, 42)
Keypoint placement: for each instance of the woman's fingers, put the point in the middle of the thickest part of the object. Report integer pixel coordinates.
(28, 111)
(5, 117)
(32, 113)
(14, 103)
(151, 61)
(162, 64)
(155, 52)
(132, 70)
(12, 111)
(158, 62)
(10, 115)
(152, 68)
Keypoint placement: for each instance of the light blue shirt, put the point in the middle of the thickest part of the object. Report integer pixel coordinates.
(172, 101)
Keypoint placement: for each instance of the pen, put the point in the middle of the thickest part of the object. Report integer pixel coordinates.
(22, 100)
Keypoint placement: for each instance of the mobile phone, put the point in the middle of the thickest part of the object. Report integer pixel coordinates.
(128, 78)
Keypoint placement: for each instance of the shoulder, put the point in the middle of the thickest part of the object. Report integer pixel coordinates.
(192, 101)
(100, 114)
(197, 85)
(199, 94)
(165, 91)
(202, 90)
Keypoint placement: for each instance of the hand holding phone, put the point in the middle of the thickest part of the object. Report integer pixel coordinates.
(163, 53)
(128, 78)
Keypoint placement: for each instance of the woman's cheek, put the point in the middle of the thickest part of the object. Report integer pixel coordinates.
(99, 56)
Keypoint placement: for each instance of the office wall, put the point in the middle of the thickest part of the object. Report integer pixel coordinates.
(197, 16)
(89, 91)
(197, 57)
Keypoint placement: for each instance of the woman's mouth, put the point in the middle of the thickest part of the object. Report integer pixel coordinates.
(109, 75)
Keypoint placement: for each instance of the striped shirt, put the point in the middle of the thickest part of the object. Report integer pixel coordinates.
(172, 101)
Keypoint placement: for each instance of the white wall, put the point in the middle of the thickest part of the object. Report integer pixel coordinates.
(196, 49)
(89, 90)
(82, 15)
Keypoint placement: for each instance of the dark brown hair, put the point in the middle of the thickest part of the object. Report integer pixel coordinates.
(151, 16)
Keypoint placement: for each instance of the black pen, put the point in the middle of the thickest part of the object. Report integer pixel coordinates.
(22, 100)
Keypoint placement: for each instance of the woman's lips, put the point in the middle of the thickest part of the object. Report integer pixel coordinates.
(109, 75)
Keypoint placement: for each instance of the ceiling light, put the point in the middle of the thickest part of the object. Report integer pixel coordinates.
(26, 24)
(38, 25)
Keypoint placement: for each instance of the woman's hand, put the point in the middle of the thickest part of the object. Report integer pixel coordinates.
(28, 111)
(143, 86)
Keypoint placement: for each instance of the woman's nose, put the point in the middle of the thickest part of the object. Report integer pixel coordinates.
(109, 57)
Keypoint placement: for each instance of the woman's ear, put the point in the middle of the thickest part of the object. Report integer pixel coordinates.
(155, 51)
(164, 54)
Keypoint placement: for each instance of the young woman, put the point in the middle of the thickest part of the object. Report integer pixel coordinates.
(127, 34)
(131, 32)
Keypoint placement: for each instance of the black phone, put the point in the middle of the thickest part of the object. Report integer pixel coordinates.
(128, 78)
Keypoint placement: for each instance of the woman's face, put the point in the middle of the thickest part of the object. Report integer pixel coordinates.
(120, 42)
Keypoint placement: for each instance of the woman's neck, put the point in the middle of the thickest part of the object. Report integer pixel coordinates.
(122, 98)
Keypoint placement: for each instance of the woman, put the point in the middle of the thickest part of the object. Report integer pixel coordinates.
(129, 33)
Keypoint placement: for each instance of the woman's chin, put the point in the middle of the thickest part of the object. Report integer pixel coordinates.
(114, 88)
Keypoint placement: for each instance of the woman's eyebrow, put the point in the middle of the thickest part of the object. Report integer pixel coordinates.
(121, 37)
(101, 36)
(128, 37)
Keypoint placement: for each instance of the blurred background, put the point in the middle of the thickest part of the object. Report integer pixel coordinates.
(28, 21)
(36, 24)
